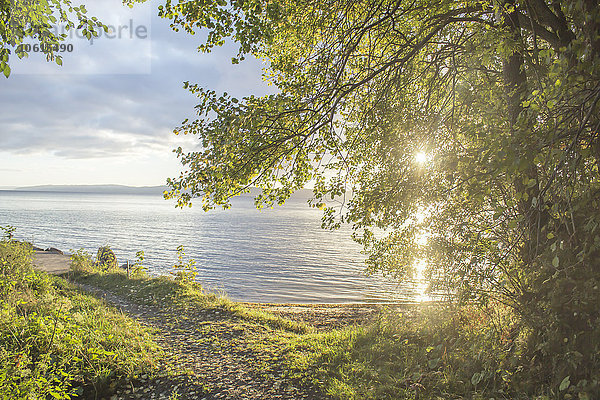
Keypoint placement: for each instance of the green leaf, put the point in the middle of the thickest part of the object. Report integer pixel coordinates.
(555, 262)
(564, 385)
(6, 70)
(476, 378)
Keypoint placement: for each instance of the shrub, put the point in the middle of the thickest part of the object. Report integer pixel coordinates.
(81, 261)
(58, 343)
(106, 259)
(185, 271)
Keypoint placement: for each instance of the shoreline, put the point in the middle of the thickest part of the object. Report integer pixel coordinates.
(56, 262)
(321, 316)
(197, 344)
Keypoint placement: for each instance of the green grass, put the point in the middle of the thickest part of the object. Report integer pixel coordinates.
(427, 356)
(438, 353)
(182, 296)
(56, 342)
(435, 352)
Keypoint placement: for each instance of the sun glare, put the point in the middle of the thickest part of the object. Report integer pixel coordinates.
(422, 238)
(420, 282)
(421, 157)
(420, 266)
(421, 215)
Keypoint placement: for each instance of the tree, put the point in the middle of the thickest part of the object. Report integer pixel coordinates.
(502, 97)
(28, 19)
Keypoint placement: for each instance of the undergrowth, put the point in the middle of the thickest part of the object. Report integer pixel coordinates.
(439, 353)
(56, 342)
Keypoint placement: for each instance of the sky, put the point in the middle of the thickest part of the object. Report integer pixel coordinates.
(107, 115)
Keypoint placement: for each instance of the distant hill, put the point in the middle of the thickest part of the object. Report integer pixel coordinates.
(108, 189)
(122, 189)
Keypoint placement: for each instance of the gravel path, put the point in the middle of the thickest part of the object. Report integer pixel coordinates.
(209, 356)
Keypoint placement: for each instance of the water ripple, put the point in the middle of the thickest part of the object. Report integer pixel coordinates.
(275, 255)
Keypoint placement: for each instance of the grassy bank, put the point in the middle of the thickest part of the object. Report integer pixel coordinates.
(224, 344)
(56, 342)
(425, 353)
(180, 297)
(423, 356)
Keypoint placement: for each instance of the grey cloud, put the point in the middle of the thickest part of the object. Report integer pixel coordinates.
(74, 144)
(103, 115)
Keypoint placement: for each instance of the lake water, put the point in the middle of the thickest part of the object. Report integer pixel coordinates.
(276, 255)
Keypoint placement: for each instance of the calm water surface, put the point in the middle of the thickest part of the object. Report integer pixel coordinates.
(277, 255)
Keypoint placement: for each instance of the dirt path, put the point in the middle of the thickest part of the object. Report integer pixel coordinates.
(210, 355)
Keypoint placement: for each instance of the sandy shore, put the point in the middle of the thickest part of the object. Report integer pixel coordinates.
(51, 262)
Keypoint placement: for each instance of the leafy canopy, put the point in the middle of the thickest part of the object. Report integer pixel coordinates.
(501, 96)
(473, 124)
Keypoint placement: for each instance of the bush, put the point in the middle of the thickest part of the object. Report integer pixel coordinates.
(106, 259)
(81, 261)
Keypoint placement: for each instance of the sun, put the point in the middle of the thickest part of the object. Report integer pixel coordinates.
(421, 157)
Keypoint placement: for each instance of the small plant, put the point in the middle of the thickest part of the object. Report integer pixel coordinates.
(185, 271)
(9, 231)
(139, 269)
(81, 261)
(106, 259)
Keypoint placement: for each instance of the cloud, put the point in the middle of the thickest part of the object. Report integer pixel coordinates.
(81, 117)
(92, 115)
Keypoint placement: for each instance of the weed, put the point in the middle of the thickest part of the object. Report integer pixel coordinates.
(139, 269)
(9, 232)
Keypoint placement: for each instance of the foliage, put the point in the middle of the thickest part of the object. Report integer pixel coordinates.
(58, 343)
(106, 259)
(23, 20)
(81, 260)
(501, 95)
(9, 232)
(464, 353)
(185, 271)
(139, 269)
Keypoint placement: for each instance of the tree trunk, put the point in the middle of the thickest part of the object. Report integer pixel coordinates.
(515, 84)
